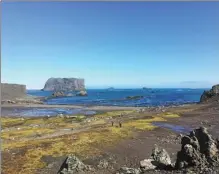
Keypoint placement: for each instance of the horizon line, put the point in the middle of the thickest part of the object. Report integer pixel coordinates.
(114, 88)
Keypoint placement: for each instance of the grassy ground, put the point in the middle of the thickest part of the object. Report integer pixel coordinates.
(27, 140)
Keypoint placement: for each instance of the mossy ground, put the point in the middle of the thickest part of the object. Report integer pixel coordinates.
(83, 142)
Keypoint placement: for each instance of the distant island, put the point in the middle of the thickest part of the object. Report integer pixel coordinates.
(111, 88)
(144, 88)
(64, 84)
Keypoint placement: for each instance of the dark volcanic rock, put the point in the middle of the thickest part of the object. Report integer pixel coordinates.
(189, 157)
(211, 95)
(64, 84)
(199, 149)
(208, 146)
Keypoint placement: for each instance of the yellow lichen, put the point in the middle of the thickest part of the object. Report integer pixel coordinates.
(143, 124)
(10, 122)
(23, 133)
(84, 143)
(114, 113)
(170, 115)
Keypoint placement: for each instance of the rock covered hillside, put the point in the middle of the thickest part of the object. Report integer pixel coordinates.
(64, 84)
(211, 95)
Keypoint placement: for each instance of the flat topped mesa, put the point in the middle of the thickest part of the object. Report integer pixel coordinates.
(12, 91)
(64, 84)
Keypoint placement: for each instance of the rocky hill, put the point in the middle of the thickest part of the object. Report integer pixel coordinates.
(64, 84)
(12, 91)
(16, 94)
(211, 95)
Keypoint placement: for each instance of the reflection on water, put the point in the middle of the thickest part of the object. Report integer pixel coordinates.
(33, 112)
(176, 128)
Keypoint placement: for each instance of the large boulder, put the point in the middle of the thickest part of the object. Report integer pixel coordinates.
(147, 164)
(73, 165)
(212, 94)
(161, 158)
(64, 84)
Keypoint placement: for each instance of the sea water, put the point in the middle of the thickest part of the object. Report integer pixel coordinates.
(105, 97)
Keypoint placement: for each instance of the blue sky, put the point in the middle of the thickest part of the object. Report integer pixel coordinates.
(120, 44)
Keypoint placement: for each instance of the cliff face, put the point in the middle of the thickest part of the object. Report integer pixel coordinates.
(64, 84)
(211, 95)
(12, 91)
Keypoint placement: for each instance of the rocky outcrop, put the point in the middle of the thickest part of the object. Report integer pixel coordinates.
(199, 149)
(159, 159)
(58, 94)
(81, 93)
(211, 95)
(199, 153)
(147, 164)
(73, 165)
(12, 91)
(64, 84)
